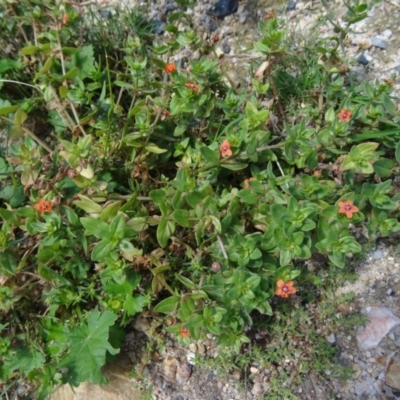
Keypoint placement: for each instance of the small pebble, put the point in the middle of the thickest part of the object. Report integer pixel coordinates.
(377, 254)
(364, 59)
(331, 338)
(387, 33)
(226, 48)
(379, 43)
(291, 5)
(212, 26)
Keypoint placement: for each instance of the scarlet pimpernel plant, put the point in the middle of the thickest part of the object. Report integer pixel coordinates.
(131, 187)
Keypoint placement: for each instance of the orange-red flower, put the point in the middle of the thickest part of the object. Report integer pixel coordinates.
(192, 86)
(270, 15)
(344, 115)
(170, 68)
(184, 332)
(65, 19)
(284, 289)
(43, 206)
(246, 182)
(165, 114)
(225, 149)
(389, 81)
(347, 207)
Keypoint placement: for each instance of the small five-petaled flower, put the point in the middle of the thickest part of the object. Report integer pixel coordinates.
(284, 289)
(246, 182)
(344, 115)
(348, 208)
(192, 86)
(43, 206)
(184, 332)
(225, 149)
(170, 68)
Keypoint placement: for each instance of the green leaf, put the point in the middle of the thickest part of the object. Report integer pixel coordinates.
(89, 343)
(233, 165)
(13, 195)
(9, 109)
(181, 217)
(29, 50)
(248, 196)
(102, 250)
(117, 226)
(383, 167)
(397, 154)
(158, 196)
(8, 264)
(138, 224)
(209, 155)
(167, 305)
(134, 304)
(26, 359)
(88, 205)
(7, 64)
(164, 231)
(83, 60)
(196, 197)
(187, 282)
(94, 227)
(152, 148)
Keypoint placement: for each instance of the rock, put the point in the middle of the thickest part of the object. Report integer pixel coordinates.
(159, 26)
(105, 14)
(365, 44)
(169, 367)
(392, 377)
(386, 33)
(331, 338)
(227, 49)
(243, 16)
(183, 372)
(223, 8)
(191, 357)
(381, 360)
(291, 5)
(377, 254)
(364, 59)
(377, 42)
(119, 386)
(381, 322)
(220, 53)
(257, 389)
(212, 26)
(356, 371)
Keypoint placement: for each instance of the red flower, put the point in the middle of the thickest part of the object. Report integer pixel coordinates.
(43, 206)
(347, 207)
(170, 68)
(344, 115)
(246, 182)
(165, 114)
(270, 15)
(389, 81)
(65, 19)
(192, 86)
(184, 332)
(284, 289)
(225, 149)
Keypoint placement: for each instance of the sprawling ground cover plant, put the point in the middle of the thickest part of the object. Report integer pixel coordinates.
(132, 180)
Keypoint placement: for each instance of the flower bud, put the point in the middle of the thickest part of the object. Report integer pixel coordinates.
(215, 266)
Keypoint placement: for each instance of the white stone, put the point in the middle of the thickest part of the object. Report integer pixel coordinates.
(381, 322)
